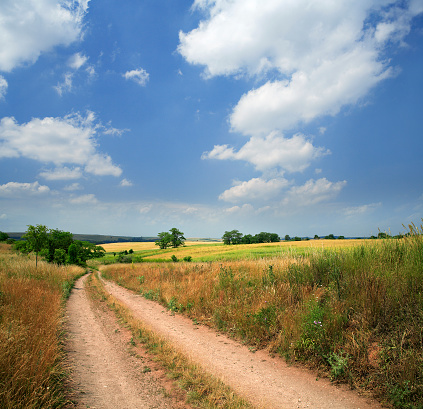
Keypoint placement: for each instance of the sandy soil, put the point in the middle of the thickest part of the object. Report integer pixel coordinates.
(264, 381)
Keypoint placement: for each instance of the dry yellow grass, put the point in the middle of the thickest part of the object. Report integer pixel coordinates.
(138, 246)
(204, 248)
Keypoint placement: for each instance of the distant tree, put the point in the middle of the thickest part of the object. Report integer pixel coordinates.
(164, 241)
(178, 238)
(341, 238)
(57, 239)
(316, 237)
(36, 237)
(274, 237)
(296, 238)
(232, 237)
(3, 236)
(287, 238)
(330, 237)
(382, 235)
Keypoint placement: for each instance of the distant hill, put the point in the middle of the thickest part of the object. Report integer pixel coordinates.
(95, 238)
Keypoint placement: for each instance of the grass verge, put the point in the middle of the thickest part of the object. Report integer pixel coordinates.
(202, 389)
(32, 300)
(356, 314)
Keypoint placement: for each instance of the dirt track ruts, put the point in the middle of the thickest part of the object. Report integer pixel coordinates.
(264, 381)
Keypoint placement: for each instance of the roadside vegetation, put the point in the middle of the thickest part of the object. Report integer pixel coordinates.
(202, 389)
(355, 313)
(32, 369)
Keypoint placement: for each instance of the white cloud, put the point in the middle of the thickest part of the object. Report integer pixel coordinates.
(16, 189)
(77, 60)
(84, 199)
(68, 140)
(313, 192)
(72, 187)
(65, 85)
(125, 183)
(322, 55)
(359, 210)
(140, 76)
(3, 87)
(3, 216)
(254, 189)
(31, 27)
(63, 173)
(273, 151)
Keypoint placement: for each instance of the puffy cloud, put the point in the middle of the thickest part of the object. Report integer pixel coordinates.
(273, 151)
(3, 87)
(253, 190)
(322, 55)
(313, 192)
(68, 140)
(140, 76)
(16, 189)
(31, 27)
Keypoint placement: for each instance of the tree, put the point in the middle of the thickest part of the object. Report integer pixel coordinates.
(232, 237)
(37, 238)
(316, 237)
(164, 241)
(3, 236)
(178, 238)
(287, 238)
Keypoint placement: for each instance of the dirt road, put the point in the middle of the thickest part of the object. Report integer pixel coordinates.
(264, 381)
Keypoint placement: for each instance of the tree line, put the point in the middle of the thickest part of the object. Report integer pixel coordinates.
(236, 237)
(57, 246)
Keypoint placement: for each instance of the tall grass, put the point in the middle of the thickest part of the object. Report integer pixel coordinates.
(355, 314)
(31, 301)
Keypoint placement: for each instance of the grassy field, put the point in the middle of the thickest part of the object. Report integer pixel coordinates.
(354, 310)
(206, 251)
(31, 315)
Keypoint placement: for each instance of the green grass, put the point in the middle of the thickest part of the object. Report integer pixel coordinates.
(355, 313)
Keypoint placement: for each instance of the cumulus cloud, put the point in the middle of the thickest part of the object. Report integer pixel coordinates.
(140, 76)
(273, 151)
(313, 192)
(254, 189)
(31, 27)
(322, 55)
(16, 189)
(3, 87)
(61, 141)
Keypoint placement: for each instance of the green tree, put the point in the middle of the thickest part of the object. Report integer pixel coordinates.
(164, 241)
(287, 238)
(3, 236)
(232, 237)
(178, 238)
(58, 239)
(37, 239)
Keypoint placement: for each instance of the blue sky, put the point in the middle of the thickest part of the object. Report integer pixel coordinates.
(130, 118)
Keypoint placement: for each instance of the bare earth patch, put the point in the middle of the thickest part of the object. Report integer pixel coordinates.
(111, 379)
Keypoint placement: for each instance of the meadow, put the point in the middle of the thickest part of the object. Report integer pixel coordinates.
(351, 310)
(32, 369)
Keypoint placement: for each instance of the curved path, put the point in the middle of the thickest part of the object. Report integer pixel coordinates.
(266, 382)
(104, 374)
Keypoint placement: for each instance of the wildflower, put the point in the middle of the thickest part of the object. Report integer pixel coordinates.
(318, 323)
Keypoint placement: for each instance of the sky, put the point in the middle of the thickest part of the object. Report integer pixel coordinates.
(296, 117)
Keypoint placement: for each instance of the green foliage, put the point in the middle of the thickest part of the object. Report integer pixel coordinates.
(174, 238)
(235, 237)
(3, 236)
(174, 258)
(37, 239)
